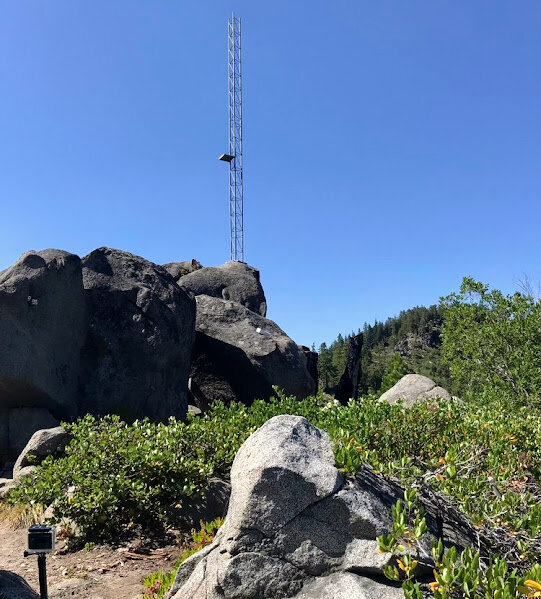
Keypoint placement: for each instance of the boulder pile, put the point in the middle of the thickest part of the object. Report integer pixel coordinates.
(113, 333)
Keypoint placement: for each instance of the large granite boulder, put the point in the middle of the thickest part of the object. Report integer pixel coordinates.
(233, 281)
(292, 522)
(43, 323)
(413, 388)
(296, 528)
(50, 441)
(240, 355)
(136, 358)
(12, 586)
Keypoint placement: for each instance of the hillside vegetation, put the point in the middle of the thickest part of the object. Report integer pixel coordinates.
(475, 341)
(408, 343)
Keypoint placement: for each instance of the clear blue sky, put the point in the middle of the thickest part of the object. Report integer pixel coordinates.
(391, 147)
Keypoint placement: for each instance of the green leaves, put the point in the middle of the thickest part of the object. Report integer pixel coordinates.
(454, 575)
(492, 342)
(115, 476)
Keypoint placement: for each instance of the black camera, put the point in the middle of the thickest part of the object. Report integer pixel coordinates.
(41, 539)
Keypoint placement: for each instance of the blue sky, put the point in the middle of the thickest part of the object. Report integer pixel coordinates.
(390, 147)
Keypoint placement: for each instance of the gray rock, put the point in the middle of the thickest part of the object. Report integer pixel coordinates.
(43, 324)
(22, 472)
(136, 357)
(413, 388)
(181, 269)
(281, 469)
(258, 575)
(194, 410)
(345, 585)
(12, 586)
(233, 281)
(43, 443)
(293, 527)
(5, 485)
(247, 353)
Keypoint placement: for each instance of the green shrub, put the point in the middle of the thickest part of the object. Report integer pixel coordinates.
(492, 342)
(120, 476)
(455, 575)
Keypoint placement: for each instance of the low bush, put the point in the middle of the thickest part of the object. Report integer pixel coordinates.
(116, 476)
(464, 574)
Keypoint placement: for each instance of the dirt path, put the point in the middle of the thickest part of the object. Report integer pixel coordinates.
(99, 573)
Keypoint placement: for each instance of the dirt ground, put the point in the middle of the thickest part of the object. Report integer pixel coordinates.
(99, 573)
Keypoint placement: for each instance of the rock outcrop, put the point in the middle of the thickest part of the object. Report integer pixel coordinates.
(239, 354)
(233, 281)
(12, 586)
(312, 358)
(137, 354)
(413, 388)
(294, 527)
(113, 333)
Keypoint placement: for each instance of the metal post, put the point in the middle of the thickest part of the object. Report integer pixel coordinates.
(236, 200)
(42, 568)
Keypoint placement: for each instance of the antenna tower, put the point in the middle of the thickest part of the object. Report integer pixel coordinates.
(234, 157)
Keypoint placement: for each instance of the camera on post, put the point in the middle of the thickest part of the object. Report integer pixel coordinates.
(41, 539)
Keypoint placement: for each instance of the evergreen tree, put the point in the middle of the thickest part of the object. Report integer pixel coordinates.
(397, 369)
(326, 368)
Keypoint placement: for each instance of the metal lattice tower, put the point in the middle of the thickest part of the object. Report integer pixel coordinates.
(234, 157)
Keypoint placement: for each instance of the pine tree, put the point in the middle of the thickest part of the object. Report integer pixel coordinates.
(326, 368)
(397, 369)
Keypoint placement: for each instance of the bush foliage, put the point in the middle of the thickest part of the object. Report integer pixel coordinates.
(492, 342)
(455, 574)
(116, 476)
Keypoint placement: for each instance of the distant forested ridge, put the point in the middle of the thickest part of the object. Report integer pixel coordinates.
(409, 342)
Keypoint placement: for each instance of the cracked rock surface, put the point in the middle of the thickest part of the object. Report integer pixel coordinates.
(295, 527)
